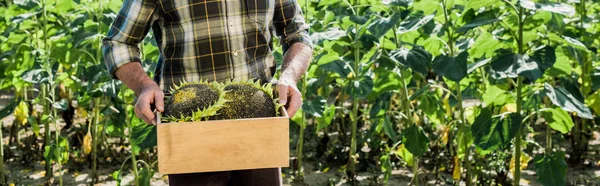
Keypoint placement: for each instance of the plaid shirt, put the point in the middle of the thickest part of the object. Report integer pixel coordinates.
(211, 40)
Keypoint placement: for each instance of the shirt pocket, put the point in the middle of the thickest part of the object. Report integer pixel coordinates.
(260, 11)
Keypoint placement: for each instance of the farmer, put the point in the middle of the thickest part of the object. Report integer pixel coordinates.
(211, 40)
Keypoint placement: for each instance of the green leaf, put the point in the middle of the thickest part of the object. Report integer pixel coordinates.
(329, 2)
(34, 125)
(314, 107)
(143, 137)
(419, 92)
(386, 166)
(559, 8)
(551, 168)
(382, 25)
(299, 119)
(510, 65)
(388, 129)
(464, 139)
(480, 63)
(336, 65)
(144, 176)
(432, 44)
(545, 57)
(330, 34)
(427, 6)
(484, 45)
(565, 100)
(360, 88)
(481, 19)
(492, 133)
(453, 68)
(559, 120)
(406, 155)
(477, 4)
(416, 59)
(562, 66)
(117, 176)
(8, 109)
(415, 140)
(400, 3)
(575, 43)
(63, 6)
(413, 22)
(495, 96)
(325, 120)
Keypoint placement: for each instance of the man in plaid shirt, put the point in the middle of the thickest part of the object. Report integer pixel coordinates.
(211, 40)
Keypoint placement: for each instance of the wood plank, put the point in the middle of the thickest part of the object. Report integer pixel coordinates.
(223, 145)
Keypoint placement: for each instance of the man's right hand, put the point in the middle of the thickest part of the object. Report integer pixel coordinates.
(149, 95)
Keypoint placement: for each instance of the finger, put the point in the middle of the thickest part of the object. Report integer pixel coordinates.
(159, 101)
(295, 103)
(145, 109)
(139, 114)
(283, 93)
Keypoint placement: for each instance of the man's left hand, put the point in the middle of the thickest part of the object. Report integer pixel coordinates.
(289, 96)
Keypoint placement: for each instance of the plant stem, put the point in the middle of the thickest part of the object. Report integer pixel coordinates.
(133, 160)
(463, 122)
(416, 171)
(45, 91)
(299, 148)
(352, 154)
(517, 173)
(300, 145)
(94, 124)
(97, 105)
(548, 139)
(46, 131)
(2, 181)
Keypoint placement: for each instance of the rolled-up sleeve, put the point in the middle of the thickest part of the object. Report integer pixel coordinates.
(120, 46)
(289, 24)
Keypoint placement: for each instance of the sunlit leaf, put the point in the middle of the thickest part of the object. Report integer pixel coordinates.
(559, 8)
(413, 22)
(417, 59)
(477, 4)
(558, 120)
(405, 154)
(565, 100)
(382, 25)
(510, 65)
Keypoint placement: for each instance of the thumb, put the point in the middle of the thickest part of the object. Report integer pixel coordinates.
(283, 94)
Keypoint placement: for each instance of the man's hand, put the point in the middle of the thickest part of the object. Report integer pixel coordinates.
(148, 92)
(289, 96)
(148, 96)
(295, 63)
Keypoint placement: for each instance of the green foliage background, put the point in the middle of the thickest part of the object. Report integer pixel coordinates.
(392, 85)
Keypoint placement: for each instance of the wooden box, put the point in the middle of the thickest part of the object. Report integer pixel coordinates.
(222, 145)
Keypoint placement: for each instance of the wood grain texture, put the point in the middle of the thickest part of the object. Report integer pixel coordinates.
(222, 145)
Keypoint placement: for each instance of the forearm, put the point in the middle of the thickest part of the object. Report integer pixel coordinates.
(134, 77)
(296, 62)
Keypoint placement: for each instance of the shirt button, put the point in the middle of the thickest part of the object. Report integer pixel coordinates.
(235, 53)
(231, 23)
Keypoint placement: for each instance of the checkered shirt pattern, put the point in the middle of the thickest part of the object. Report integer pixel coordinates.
(212, 40)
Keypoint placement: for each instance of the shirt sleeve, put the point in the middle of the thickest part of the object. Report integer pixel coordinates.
(289, 24)
(120, 46)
